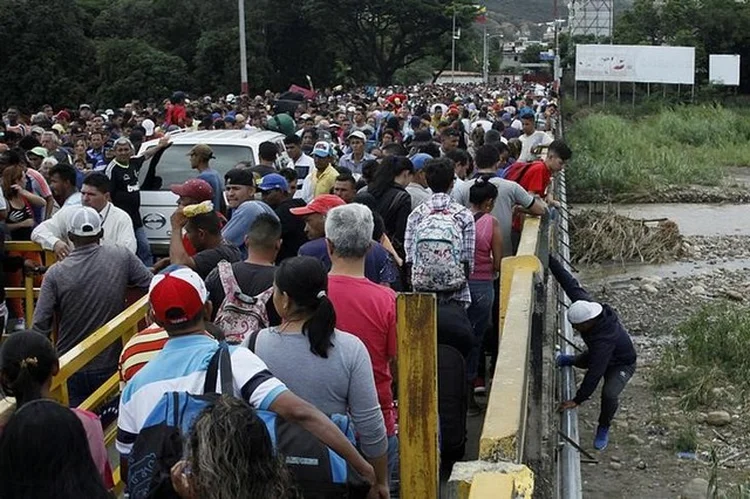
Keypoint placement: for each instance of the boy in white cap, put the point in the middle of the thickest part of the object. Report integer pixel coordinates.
(609, 355)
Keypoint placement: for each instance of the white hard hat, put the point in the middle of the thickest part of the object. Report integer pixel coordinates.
(582, 311)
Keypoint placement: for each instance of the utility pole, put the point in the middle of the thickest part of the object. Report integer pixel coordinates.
(243, 48)
(453, 47)
(486, 59)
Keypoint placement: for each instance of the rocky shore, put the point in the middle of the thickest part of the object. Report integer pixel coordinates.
(642, 460)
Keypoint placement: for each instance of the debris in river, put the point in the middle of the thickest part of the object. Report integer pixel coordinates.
(605, 236)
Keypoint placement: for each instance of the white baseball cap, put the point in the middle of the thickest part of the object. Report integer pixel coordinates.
(357, 134)
(582, 311)
(85, 222)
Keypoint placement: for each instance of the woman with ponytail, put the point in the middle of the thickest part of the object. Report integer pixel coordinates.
(327, 367)
(28, 362)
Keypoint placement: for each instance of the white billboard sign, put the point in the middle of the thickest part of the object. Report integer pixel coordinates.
(635, 63)
(724, 69)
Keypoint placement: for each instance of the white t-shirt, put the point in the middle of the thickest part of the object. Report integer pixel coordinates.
(529, 142)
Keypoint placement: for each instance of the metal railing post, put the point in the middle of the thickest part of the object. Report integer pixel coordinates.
(418, 394)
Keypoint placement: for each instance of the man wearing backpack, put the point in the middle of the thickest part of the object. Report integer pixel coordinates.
(440, 238)
(536, 177)
(179, 303)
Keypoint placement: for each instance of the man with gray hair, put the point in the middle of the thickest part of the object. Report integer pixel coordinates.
(51, 142)
(363, 308)
(126, 192)
(379, 267)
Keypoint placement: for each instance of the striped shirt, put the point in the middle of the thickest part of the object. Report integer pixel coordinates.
(140, 349)
(181, 367)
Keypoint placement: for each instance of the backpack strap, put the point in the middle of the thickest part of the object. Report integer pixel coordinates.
(228, 281)
(225, 366)
(252, 341)
(221, 361)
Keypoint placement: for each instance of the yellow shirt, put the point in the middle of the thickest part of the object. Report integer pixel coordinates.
(323, 182)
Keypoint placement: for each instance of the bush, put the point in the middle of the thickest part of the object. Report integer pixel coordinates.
(687, 145)
(712, 350)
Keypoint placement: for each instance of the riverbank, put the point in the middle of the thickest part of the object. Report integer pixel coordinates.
(682, 154)
(663, 413)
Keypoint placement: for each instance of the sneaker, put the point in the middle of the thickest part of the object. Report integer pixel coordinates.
(474, 408)
(479, 388)
(602, 438)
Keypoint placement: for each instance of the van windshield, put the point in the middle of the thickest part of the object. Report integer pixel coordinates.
(174, 166)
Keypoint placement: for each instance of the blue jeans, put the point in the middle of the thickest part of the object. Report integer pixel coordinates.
(84, 383)
(393, 465)
(480, 313)
(143, 251)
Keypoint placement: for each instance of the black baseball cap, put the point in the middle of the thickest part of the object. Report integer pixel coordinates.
(239, 176)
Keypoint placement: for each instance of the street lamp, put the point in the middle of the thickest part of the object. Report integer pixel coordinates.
(243, 48)
(486, 60)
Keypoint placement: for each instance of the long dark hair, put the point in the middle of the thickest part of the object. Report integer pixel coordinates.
(44, 452)
(390, 168)
(231, 454)
(305, 281)
(27, 360)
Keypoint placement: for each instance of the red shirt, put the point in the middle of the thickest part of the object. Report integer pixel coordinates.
(535, 179)
(368, 311)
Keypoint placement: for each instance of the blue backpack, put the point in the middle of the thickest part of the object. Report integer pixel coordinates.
(319, 472)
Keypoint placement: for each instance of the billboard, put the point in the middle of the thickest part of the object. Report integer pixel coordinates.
(724, 69)
(635, 63)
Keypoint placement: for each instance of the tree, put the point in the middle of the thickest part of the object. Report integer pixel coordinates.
(382, 36)
(46, 58)
(531, 54)
(132, 69)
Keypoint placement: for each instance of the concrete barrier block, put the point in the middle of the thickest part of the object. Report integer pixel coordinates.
(482, 479)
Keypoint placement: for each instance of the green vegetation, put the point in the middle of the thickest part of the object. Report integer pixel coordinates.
(710, 360)
(686, 440)
(108, 52)
(686, 145)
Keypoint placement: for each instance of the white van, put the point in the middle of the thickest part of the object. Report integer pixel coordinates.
(230, 147)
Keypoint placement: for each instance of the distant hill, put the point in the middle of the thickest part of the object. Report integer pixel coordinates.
(520, 12)
(525, 11)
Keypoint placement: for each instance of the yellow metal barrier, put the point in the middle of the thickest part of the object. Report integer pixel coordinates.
(418, 400)
(122, 327)
(28, 292)
(503, 433)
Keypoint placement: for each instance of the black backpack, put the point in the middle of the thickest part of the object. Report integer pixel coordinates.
(159, 445)
(318, 471)
(452, 403)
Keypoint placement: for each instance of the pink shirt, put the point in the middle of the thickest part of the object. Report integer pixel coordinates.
(368, 311)
(95, 435)
(483, 270)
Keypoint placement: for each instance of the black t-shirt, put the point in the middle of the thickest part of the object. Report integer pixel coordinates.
(206, 260)
(126, 193)
(253, 280)
(292, 229)
(260, 171)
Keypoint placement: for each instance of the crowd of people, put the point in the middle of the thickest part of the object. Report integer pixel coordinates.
(296, 268)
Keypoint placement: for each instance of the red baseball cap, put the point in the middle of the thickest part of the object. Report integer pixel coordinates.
(177, 295)
(195, 188)
(321, 204)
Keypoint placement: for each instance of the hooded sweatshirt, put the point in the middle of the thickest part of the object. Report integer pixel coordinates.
(608, 343)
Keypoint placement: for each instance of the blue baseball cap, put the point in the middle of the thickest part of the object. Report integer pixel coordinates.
(273, 181)
(419, 160)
